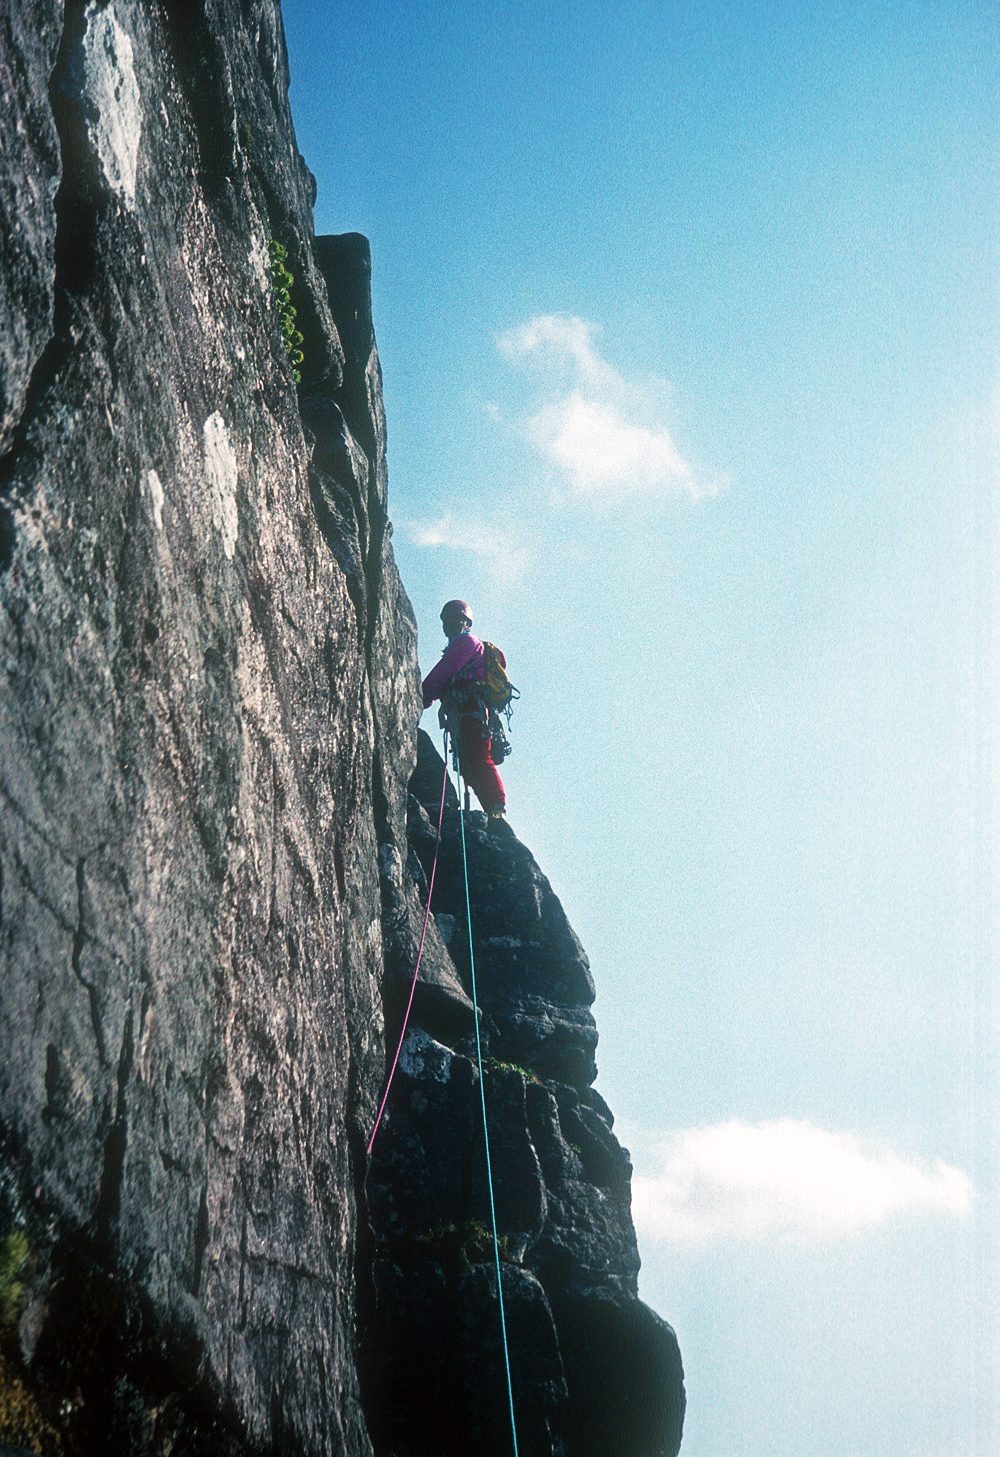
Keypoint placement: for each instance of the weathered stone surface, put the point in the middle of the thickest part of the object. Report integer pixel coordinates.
(444, 1388)
(618, 1406)
(533, 977)
(561, 1180)
(216, 837)
(192, 695)
(438, 993)
(29, 40)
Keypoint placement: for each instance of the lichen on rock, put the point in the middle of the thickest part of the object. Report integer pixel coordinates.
(109, 86)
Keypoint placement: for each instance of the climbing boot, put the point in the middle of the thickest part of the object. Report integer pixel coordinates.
(496, 821)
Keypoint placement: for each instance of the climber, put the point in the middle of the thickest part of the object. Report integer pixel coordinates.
(458, 680)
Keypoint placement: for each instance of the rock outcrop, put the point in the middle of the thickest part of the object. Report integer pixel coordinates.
(594, 1370)
(210, 864)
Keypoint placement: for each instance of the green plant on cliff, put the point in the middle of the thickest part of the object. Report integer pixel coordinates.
(13, 1267)
(470, 1242)
(499, 1065)
(453, 1246)
(22, 1421)
(248, 143)
(282, 279)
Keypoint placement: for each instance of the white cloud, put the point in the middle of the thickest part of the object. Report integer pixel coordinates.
(554, 341)
(504, 562)
(605, 454)
(783, 1179)
(602, 433)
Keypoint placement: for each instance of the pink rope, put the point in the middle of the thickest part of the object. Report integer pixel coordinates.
(416, 969)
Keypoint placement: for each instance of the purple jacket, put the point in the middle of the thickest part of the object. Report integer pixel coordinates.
(464, 654)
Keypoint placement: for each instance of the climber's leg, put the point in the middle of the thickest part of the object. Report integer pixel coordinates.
(477, 767)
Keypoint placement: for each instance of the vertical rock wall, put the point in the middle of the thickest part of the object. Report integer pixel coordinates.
(206, 660)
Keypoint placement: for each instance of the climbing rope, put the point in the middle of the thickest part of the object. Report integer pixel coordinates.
(486, 1136)
(479, 1054)
(420, 952)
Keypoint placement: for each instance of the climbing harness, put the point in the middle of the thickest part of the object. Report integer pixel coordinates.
(486, 1143)
(479, 1049)
(420, 952)
(467, 698)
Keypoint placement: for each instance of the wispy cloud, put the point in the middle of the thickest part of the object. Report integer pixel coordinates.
(602, 433)
(555, 342)
(505, 562)
(783, 1179)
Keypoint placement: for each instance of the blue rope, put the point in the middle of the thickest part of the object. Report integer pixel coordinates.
(486, 1136)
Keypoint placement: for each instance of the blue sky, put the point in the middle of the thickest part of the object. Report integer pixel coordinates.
(688, 316)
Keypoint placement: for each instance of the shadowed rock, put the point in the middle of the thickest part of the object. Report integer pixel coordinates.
(607, 1377)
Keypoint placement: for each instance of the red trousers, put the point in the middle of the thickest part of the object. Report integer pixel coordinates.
(476, 765)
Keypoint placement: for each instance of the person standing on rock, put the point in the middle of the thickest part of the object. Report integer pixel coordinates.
(459, 681)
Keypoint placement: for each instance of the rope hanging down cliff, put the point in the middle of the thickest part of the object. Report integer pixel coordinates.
(479, 1060)
(420, 952)
(486, 1139)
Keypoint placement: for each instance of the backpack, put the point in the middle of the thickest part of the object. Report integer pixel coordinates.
(500, 691)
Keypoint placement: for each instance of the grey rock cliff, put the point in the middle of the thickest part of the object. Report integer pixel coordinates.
(207, 659)
(211, 867)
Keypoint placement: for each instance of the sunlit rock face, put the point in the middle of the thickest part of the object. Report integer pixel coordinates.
(207, 658)
(211, 867)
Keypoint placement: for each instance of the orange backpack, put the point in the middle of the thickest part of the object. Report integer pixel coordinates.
(500, 691)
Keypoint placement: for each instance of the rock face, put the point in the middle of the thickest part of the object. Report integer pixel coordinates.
(210, 868)
(594, 1370)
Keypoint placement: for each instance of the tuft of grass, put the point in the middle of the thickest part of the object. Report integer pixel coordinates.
(282, 279)
(13, 1266)
(467, 1243)
(22, 1422)
(497, 1065)
(453, 1246)
(247, 142)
